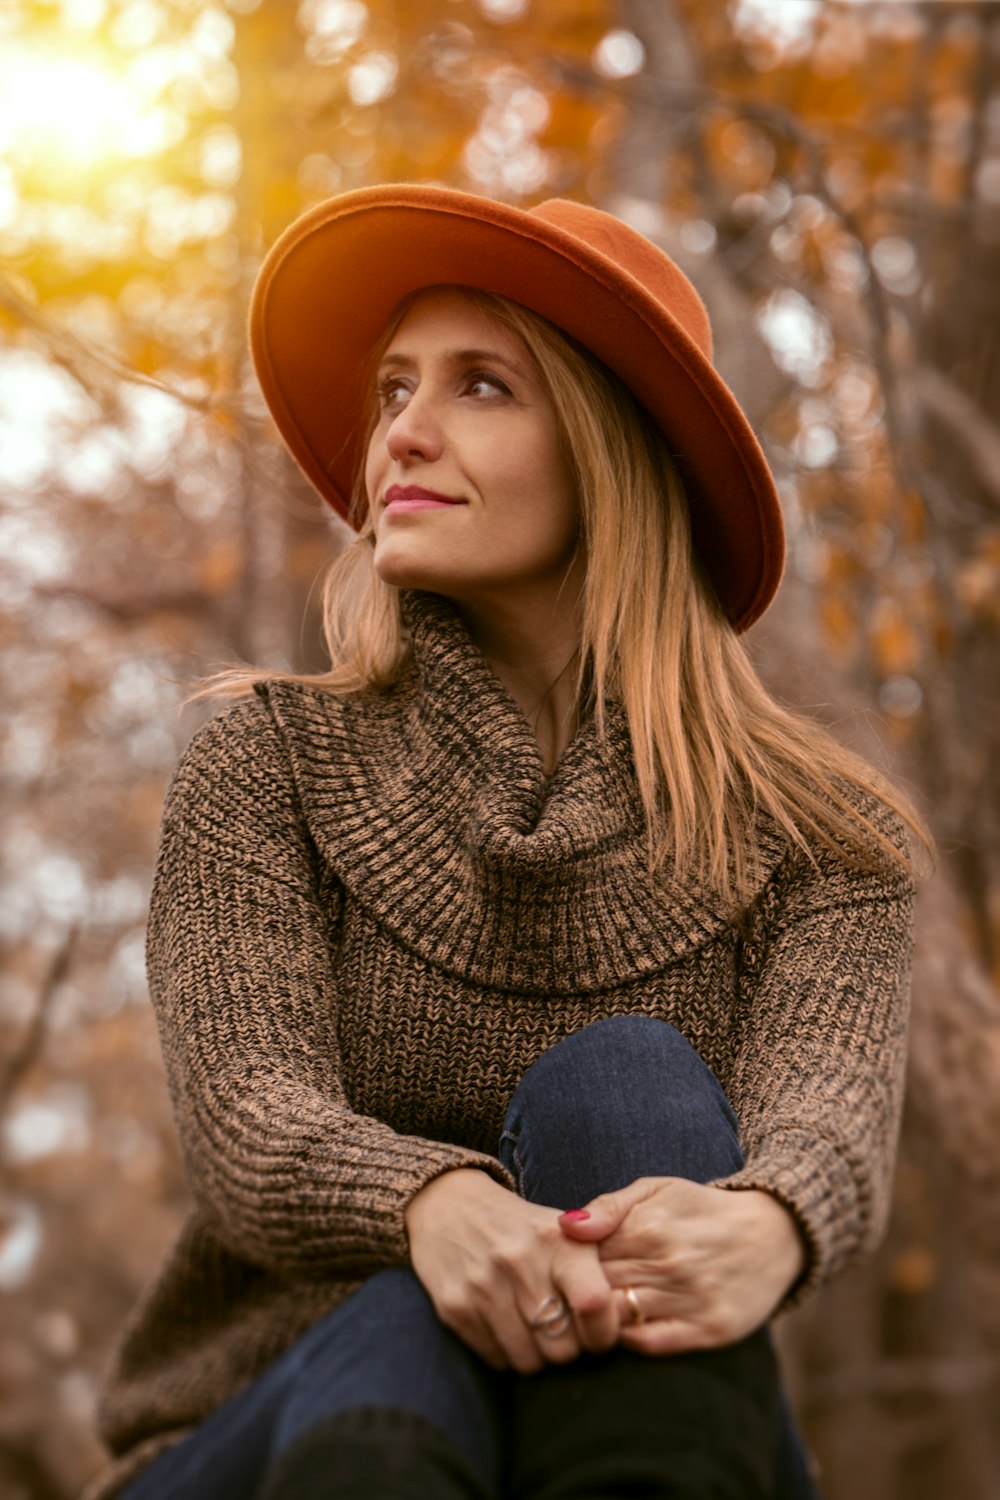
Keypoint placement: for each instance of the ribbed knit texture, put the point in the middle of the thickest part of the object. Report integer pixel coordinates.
(371, 914)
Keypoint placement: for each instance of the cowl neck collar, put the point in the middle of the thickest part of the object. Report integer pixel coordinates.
(463, 708)
(431, 804)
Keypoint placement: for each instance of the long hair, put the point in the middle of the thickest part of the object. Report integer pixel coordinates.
(714, 752)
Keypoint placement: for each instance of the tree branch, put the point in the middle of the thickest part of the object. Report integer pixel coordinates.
(958, 1375)
(683, 99)
(15, 1066)
(966, 420)
(126, 608)
(79, 359)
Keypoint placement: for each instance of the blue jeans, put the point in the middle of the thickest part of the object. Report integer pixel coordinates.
(624, 1098)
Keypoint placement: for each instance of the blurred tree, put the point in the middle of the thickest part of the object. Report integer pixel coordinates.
(837, 165)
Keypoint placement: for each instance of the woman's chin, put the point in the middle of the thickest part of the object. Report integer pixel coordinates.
(412, 573)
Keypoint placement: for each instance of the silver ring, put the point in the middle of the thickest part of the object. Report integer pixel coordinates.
(635, 1312)
(552, 1318)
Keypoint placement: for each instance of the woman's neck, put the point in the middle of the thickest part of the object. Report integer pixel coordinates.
(533, 644)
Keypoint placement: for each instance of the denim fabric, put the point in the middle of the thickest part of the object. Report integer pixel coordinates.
(383, 1347)
(624, 1098)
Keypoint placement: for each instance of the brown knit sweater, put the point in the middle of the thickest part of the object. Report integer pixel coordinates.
(371, 914)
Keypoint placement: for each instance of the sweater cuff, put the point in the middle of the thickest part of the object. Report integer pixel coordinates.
(827, 1198)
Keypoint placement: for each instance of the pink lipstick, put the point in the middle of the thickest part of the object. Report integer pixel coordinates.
(402, 498)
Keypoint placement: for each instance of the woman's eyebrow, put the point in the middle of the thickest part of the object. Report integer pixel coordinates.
(400, 360)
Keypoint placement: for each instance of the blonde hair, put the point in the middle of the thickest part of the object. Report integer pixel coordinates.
(714, 752)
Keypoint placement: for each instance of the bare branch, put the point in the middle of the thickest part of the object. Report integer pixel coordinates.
(127, 608)
(683, 100)
(979, 435)
(15, 1067)
(958, 1375)
(81, 360)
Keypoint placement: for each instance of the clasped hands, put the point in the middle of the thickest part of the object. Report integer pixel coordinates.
(704, 1267)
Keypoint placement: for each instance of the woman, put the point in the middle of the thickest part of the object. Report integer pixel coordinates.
(532, 987)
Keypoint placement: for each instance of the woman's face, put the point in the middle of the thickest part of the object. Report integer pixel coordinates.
(470, 491)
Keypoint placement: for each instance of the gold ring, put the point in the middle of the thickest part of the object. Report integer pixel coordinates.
(552, 1318)
(635, 1312)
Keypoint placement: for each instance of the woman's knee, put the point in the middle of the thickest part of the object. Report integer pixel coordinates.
(624, 1064)
(626, 1096)
(623, 1047)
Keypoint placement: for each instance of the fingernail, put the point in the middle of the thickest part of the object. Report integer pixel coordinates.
(576, 1214)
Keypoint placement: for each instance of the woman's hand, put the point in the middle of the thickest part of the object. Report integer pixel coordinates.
(489, 1260)
(707, 1266)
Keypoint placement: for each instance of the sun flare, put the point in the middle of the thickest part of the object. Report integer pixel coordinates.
(62, 114)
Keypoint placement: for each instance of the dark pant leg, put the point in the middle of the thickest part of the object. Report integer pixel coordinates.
(389, 1349)
(626, 1098)
(383, 1351)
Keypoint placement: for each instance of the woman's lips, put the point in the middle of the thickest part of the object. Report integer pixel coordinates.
(400, 498)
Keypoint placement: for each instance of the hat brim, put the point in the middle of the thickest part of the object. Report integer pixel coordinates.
(331, 282)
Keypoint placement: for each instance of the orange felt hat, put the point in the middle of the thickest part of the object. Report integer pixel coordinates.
(331, 282)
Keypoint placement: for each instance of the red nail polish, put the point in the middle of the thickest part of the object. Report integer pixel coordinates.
(576, 1214)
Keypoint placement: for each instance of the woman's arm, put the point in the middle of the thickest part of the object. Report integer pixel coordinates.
(818, 1081)
(817, 1088)
(240, 939)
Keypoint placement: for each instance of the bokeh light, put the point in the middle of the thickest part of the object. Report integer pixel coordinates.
(61, 115)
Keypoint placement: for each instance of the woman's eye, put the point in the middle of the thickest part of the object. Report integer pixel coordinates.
(391, 392)
(488, 382)
(394, 392)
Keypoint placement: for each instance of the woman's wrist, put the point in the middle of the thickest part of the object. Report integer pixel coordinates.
(790, 1247)
(430, 1203)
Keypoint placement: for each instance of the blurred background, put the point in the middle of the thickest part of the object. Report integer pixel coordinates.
(829, 175)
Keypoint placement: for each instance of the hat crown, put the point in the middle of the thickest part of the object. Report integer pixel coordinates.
(629, 251)
(335, 278)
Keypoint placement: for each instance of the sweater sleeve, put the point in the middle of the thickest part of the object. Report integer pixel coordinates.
(243, 924)
(818, 1082)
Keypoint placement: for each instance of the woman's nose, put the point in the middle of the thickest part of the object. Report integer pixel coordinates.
(415, 431)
